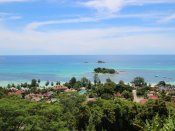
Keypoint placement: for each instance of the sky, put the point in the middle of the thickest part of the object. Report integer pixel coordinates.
(87, 27)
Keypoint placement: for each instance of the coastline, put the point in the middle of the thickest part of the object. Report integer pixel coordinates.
(124, 75)
(18, 69)
(42, 83)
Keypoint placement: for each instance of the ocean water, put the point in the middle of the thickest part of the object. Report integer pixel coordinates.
(154, 68)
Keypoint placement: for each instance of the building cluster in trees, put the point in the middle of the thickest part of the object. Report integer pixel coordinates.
(104, 106)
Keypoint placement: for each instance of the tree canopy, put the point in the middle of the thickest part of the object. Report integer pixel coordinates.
(104, 70)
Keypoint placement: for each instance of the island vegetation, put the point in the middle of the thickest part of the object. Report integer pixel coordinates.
(83, 105)
(100, 62)
(105, 70)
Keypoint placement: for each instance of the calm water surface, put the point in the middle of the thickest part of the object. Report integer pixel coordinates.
(16, 69)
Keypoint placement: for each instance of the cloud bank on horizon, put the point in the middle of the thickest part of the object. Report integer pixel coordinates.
(55, 27)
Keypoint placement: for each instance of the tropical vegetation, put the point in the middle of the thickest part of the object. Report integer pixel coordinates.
(111, 109)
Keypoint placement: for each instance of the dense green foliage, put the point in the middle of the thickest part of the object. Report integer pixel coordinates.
(139, 81)
(104, 70)
(73, 112)
(162, 83)
(121, 86)
(77, 84)
(143, 91)
(166, 96)
(96, 79)
(3, 92)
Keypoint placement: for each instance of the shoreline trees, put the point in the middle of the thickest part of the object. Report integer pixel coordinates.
(105, 70)
(72, 111)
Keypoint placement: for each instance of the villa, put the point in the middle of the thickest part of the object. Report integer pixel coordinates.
(48, 95)
(173, 98)
(14, 91)
(70, 90)
(34, 97)
(82, 91)
(60, 88)
(143, 101)
(91, 99)
(151, 93)
(117, 94)
(153, 97)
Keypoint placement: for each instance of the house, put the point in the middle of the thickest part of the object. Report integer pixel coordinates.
(82, 92)
(25, 89)
(19, 92)
(48, 94)
(173, 98)
(52, 100)
(13, 89)
(83, 88)
(91, 99)
(60, 88)
(143, 101)
(117, 94)
(70, 90)
(151, 93)
(34, 97)
(167, 88)
(153, 97)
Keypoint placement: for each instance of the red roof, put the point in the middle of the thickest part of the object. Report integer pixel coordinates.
(118, 94)
(60, 87)
(153, 97)
(46, 95)
(143, 101)
(19, 92)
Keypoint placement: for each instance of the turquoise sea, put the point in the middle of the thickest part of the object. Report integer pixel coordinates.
(154, 68)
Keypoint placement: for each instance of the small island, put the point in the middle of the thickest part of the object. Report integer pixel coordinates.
(100, 62)
(105, 70)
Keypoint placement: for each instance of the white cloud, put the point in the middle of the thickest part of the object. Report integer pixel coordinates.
(107, 9)
(118, 40)
(15, 17)
(141, 2)
(168, 18)
(9, 16)
(11, 1)
(113, 6)
(36, 25)
(103, 6)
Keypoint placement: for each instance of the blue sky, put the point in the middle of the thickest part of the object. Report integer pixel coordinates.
(59, 27)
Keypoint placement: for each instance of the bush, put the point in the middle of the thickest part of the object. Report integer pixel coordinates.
(142, 91)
